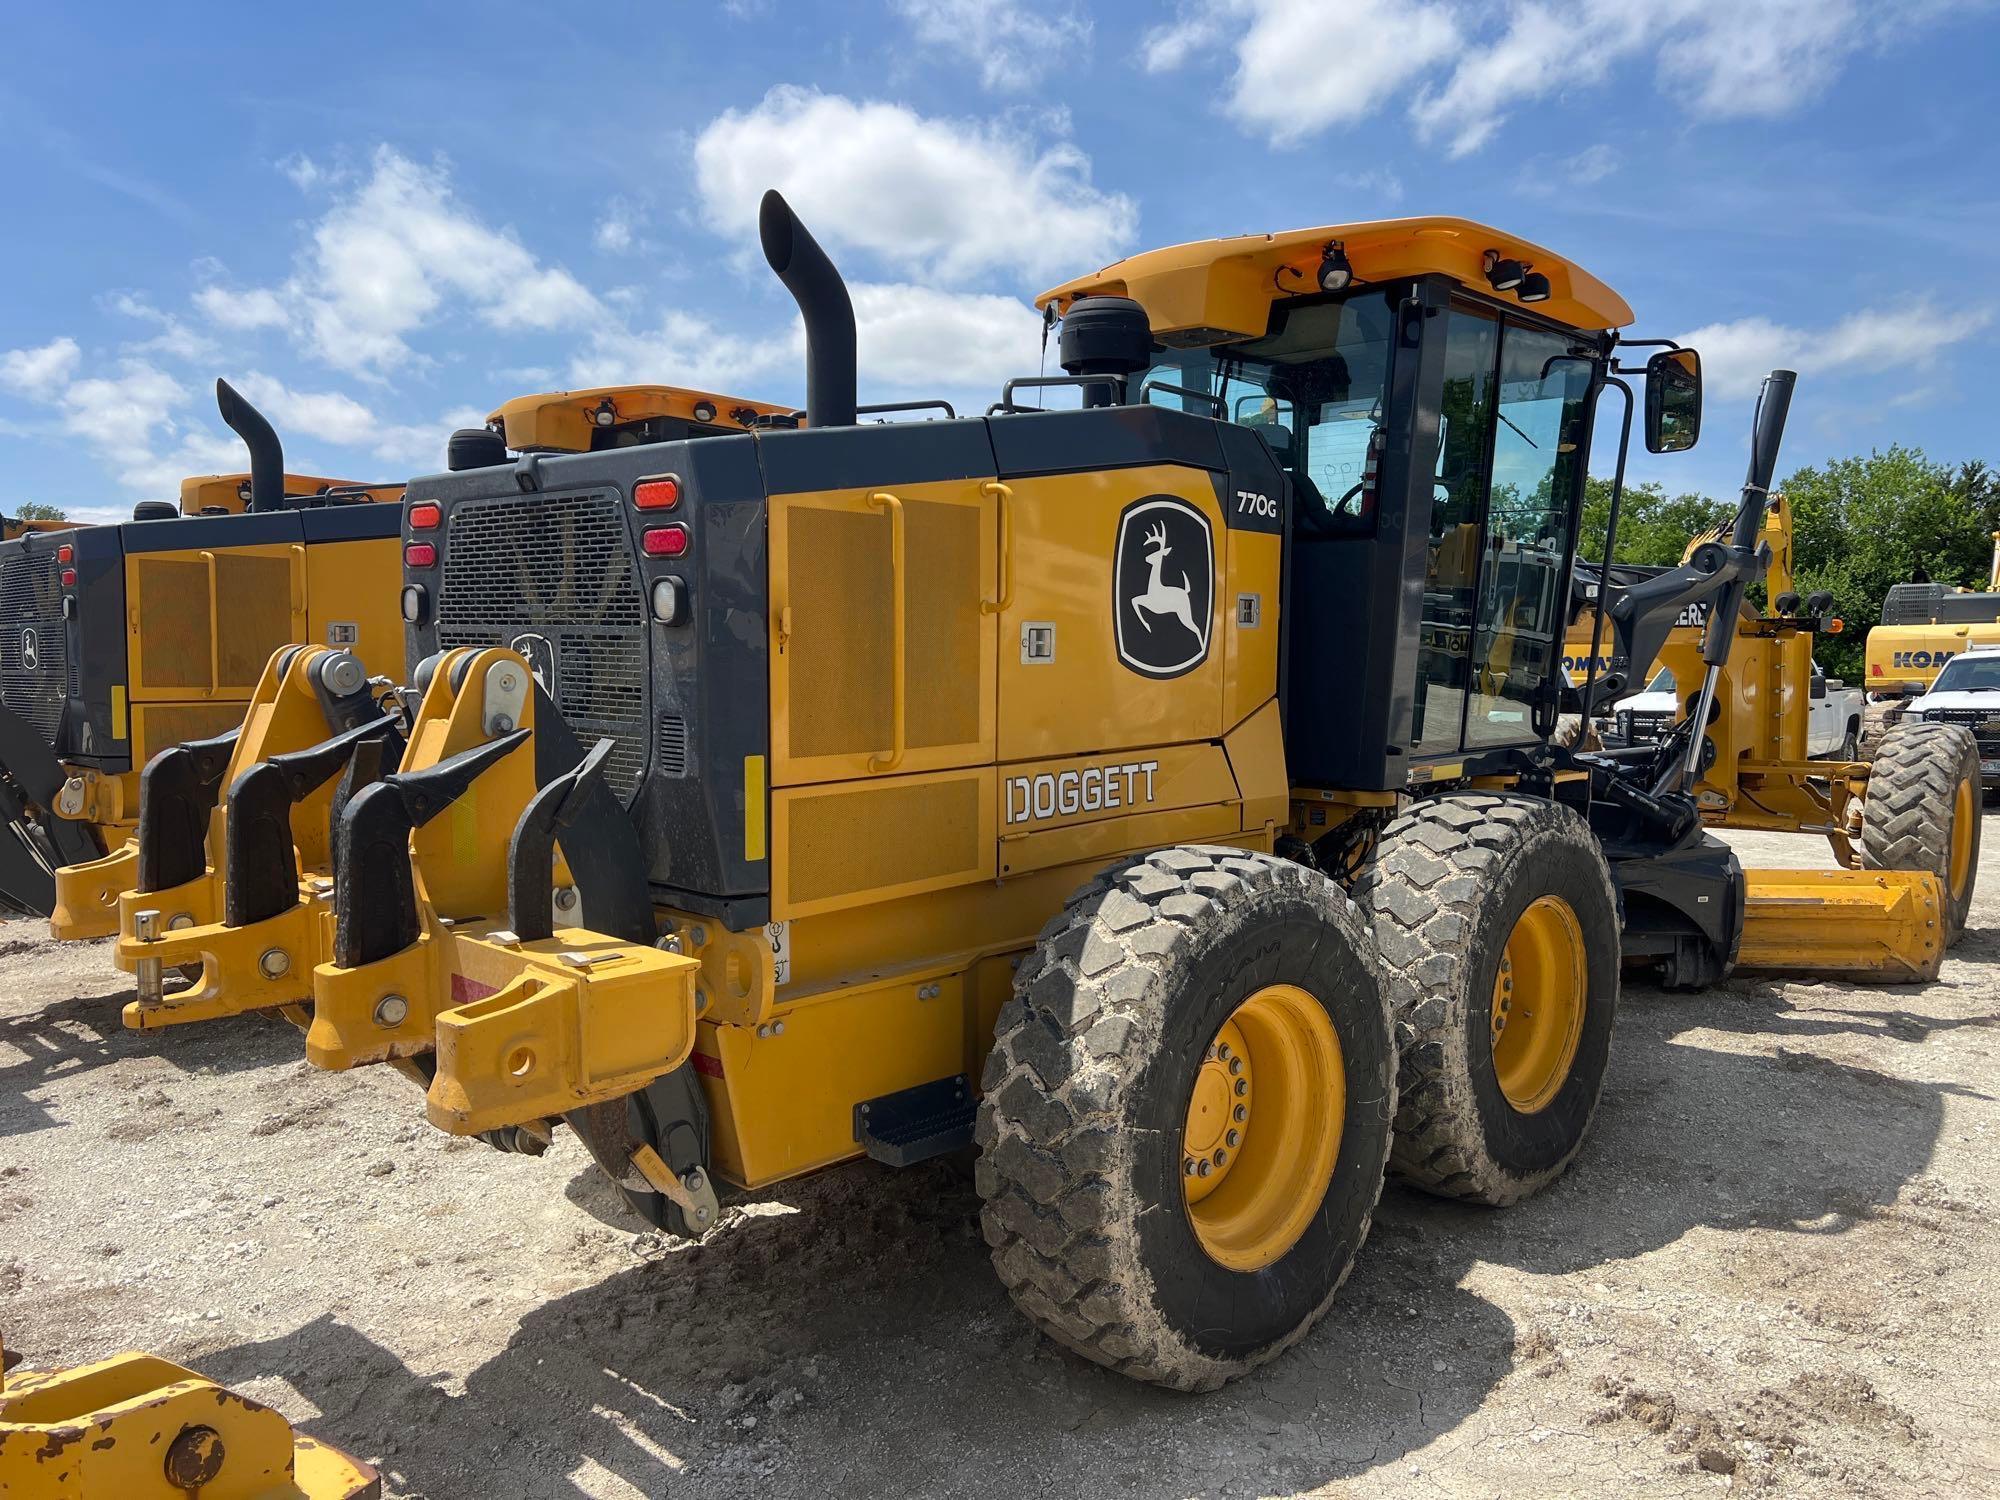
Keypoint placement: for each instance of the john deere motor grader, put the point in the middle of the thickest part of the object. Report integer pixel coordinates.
(897, 787)
(119, 641)
(234, 868)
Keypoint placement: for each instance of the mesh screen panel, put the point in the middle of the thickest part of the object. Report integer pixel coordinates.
(173, 603)
(559, 567)
(33, 643)
(890, 834)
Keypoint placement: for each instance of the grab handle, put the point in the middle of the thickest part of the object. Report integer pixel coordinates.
(1005, 497)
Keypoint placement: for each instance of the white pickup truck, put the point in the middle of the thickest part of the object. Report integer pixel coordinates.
(1833, 714)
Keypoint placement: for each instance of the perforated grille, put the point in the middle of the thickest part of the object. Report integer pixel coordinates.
(33, 643)
(673, 758)
(558, 567)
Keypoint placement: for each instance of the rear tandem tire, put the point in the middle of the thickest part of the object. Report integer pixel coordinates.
(1484, 905)
(1112, 1077)
(1923, 810)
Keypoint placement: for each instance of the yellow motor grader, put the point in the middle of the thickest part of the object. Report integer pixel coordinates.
(119, 641)
(775, 799)
(134, 1427)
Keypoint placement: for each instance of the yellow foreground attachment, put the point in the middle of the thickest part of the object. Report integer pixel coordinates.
(138, 1428)
(261, 964)
(1879, 926)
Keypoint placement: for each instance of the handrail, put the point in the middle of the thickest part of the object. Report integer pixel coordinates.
(1005, 497)
(214, 625)
(899, 637)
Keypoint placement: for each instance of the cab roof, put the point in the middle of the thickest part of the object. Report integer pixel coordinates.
(563, 420)
(1217, 291)
(231, 492)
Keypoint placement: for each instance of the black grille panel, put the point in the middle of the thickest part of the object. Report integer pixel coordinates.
(558, 567)
(673, 757)
(1975, 719)
(33, 643)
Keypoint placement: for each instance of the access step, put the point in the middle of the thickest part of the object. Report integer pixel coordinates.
(916, 1124)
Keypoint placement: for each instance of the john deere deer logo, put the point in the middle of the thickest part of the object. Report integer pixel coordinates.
(1164, 587)
(31, 650)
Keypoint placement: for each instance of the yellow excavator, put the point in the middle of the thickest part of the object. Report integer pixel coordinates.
(1013, 781)
(1924, 625)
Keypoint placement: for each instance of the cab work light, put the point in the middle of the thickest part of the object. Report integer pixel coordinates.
(426, 517)
(666, 541)
(662, 493)
(420, 555)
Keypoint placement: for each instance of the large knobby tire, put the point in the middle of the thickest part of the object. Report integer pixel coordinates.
(1498, 931)
(1170, 992)
(1923, 810)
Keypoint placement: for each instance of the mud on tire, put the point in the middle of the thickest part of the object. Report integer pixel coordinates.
(1925, 778)
(1088, 1089)
(1452, 877)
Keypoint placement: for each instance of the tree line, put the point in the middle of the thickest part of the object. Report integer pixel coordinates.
(1858, 525)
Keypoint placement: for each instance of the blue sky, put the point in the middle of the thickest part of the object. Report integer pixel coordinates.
(381, 221)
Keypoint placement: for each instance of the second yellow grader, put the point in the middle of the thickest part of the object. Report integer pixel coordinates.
(1156, 794)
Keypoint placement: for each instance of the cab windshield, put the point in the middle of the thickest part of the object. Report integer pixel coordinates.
(1312, 388)
(1969, 674)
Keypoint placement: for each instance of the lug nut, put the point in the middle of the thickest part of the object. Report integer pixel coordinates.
(1236, 1065)
(1234, 1137)
(1202, 1169)
(1187, 1166)
(391, 1010)
(1241, 1113)
(1242, 1087)
(1221, 1156)
(1223, 1052)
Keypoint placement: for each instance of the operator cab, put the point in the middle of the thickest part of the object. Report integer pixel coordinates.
(1432, 414)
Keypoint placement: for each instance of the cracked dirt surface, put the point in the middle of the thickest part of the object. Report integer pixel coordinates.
(1771, 1269)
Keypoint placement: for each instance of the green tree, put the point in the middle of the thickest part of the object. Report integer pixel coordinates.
(35, 510)
(1653, 526)
(1861, 524)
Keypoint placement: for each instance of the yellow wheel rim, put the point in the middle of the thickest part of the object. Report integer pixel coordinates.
(1539, 997)
(1264, 1121)
(1962, 814)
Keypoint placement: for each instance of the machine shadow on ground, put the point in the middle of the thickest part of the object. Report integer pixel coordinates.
(649, 1373)
(75, 1036)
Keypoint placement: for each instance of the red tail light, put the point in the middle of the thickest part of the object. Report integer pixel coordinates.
(420, 555)
(65, 553)
(666, 541)
(69, 577)
(426, 517)
(663, 493)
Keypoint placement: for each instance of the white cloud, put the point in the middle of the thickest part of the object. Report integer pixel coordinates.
(943, 200)
(303, 171)
(1013, 43)
(1736, 356)
(1300, 70)
(1300, 67)
(316, 416)
(919, 340)
(174, 338)
(259, 307)
(387, 258)
(679, 349)
(39, 372)
(617, 231)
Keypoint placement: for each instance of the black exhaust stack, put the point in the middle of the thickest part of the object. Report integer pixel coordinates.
(822, 297)
(267, 454)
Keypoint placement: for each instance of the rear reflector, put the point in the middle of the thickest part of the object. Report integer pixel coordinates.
(420, 555)
(663, 493)
(65, 553)
(426, 517)
(68, 577)
(415, 598)
(666, 541)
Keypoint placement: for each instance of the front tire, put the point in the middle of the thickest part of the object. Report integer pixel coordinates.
(1187, 1114)
(1498, 929)
(1923, 810)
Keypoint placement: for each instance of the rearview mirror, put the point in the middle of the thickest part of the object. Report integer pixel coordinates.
(1673, 400)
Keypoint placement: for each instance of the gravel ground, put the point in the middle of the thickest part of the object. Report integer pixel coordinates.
(1772, 1268)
